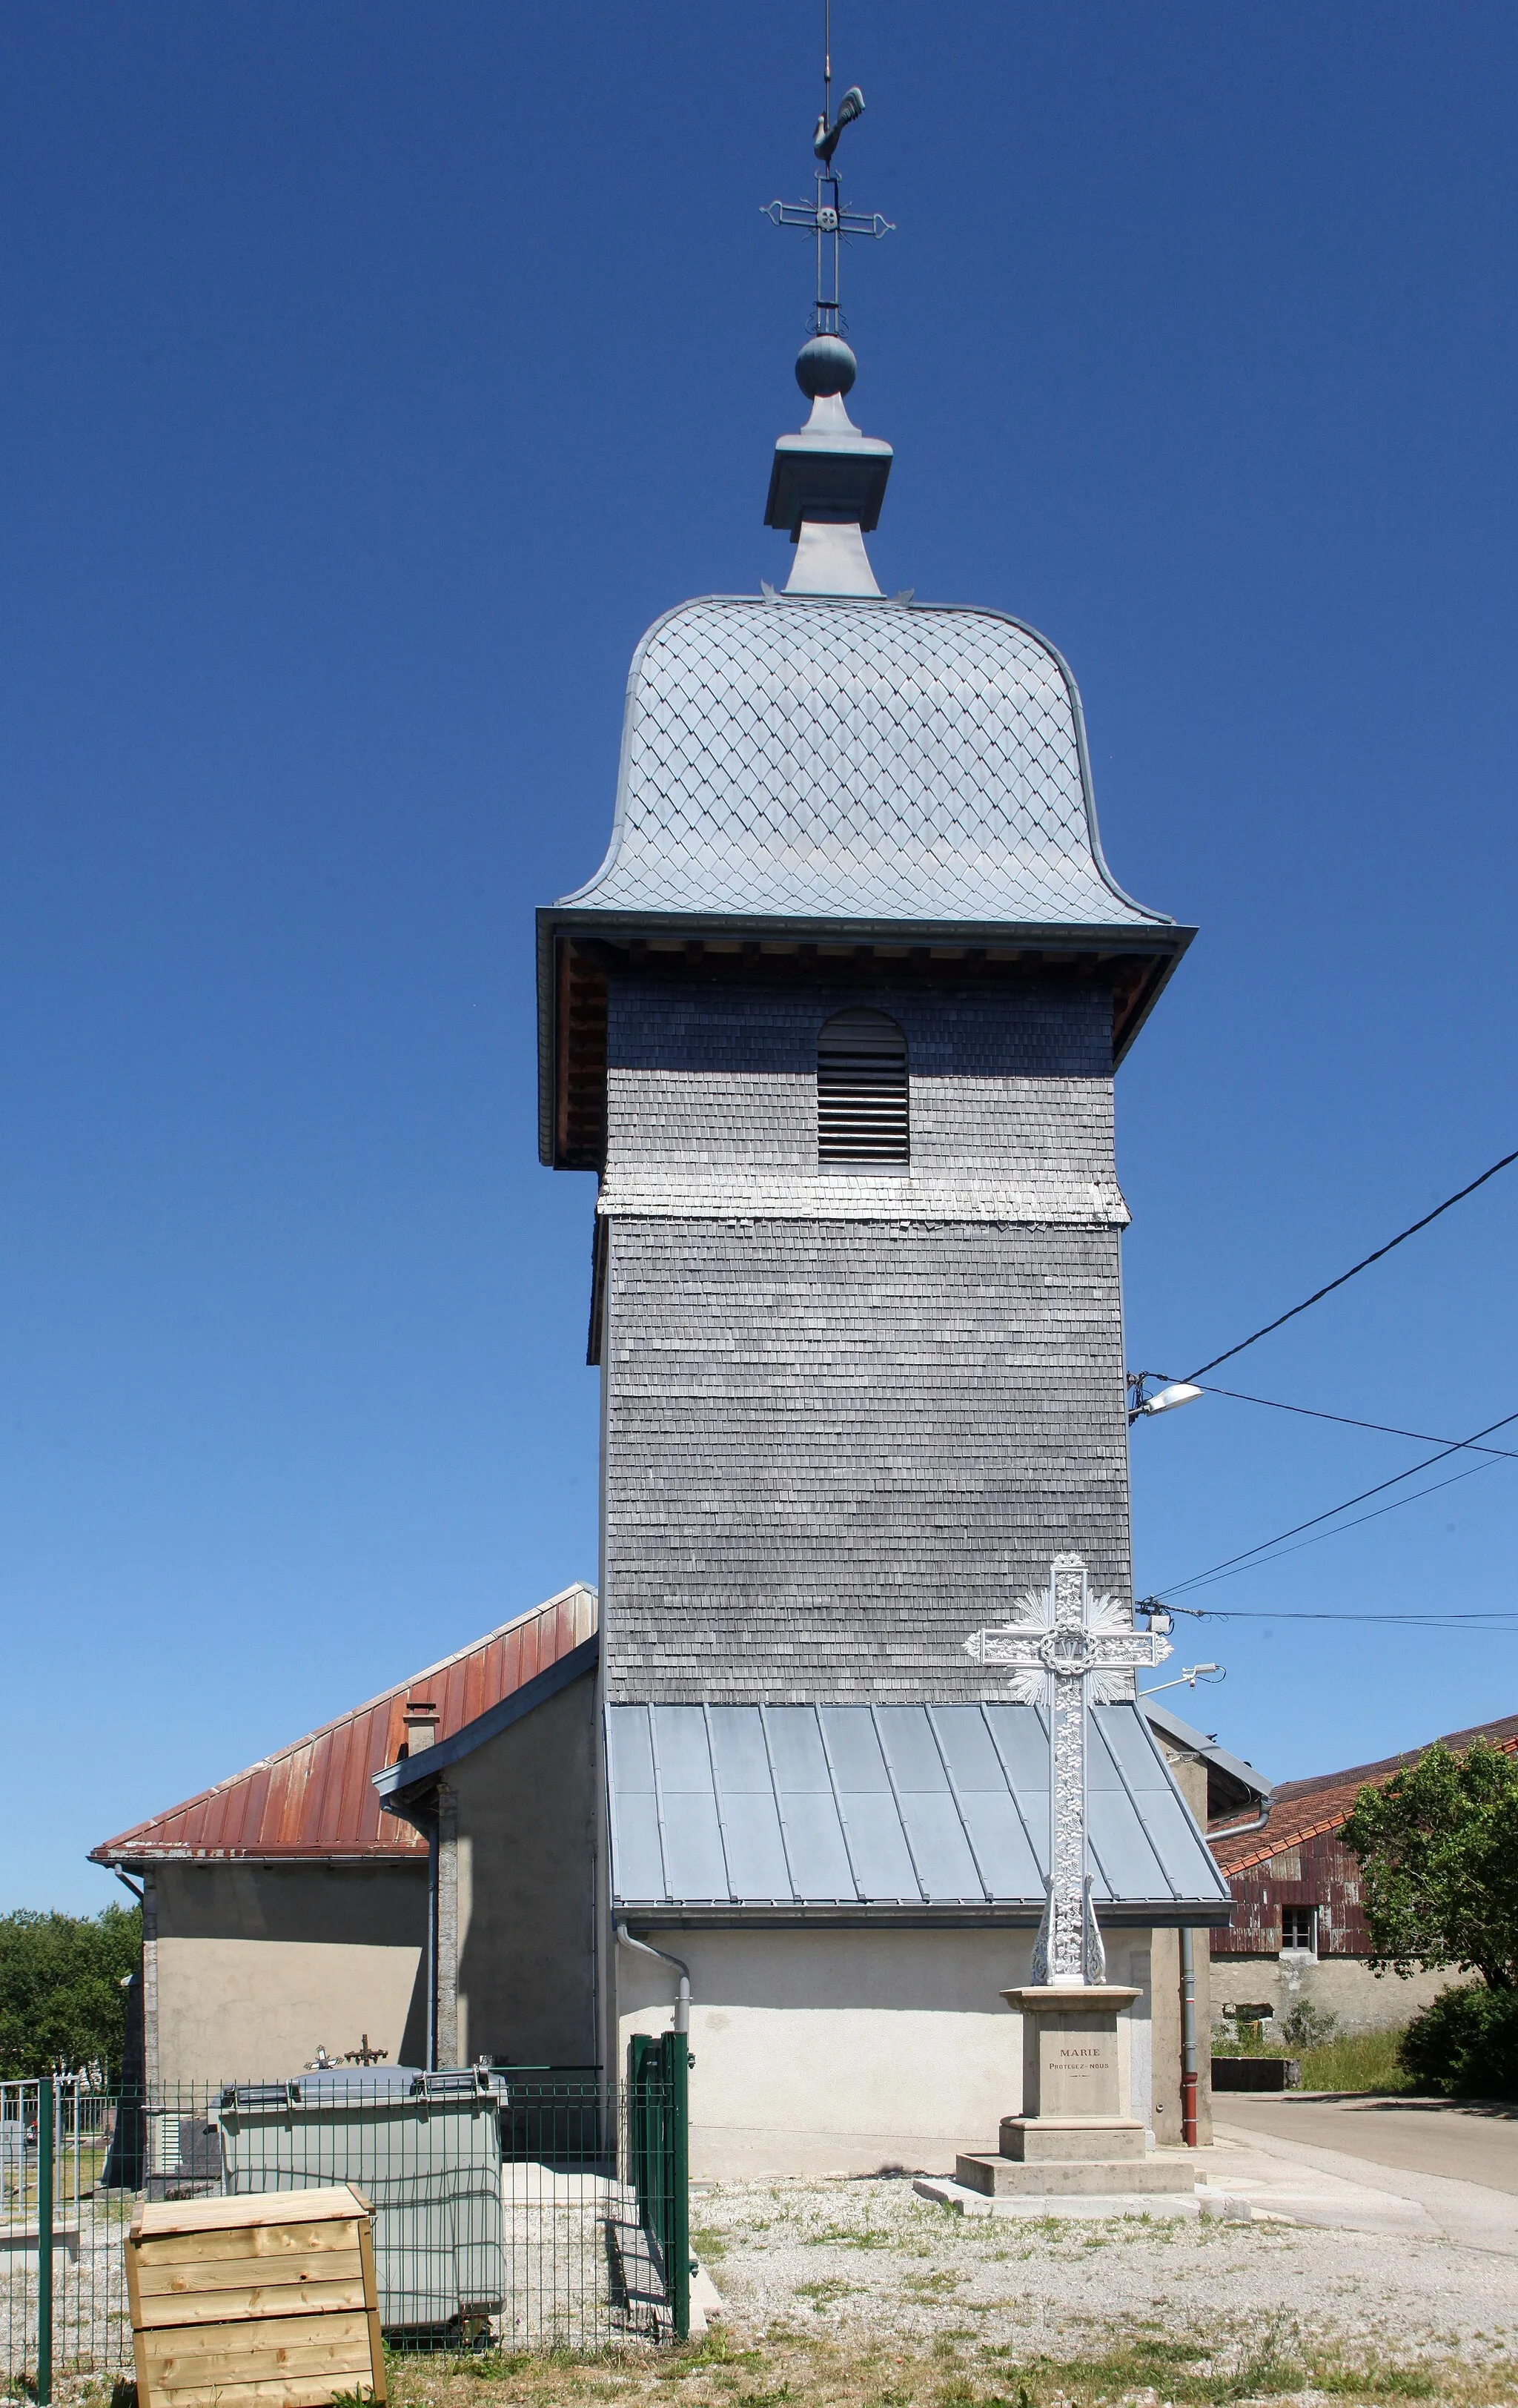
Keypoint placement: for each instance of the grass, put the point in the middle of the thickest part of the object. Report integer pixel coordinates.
(1263, 2362)
(824, 2293)
(1346, 2061)
(851, 2236)
(1356, 2061)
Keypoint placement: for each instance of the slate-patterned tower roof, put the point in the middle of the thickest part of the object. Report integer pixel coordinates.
(834, 766)
(815, 759)
(835, 1024)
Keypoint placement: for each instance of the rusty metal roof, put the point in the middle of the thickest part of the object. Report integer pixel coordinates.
(1305, 1809)
(315, 1799)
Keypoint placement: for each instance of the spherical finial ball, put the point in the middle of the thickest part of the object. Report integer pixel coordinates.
(825, 364)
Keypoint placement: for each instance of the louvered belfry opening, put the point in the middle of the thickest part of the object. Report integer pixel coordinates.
(862, 1094)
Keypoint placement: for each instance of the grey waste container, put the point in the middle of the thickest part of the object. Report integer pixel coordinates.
(424, 2148)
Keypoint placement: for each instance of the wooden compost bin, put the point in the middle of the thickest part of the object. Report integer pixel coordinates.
(267, 2300)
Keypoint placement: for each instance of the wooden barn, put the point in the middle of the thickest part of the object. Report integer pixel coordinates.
(1298, 1931)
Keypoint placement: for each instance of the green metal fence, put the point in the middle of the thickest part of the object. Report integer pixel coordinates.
(659, 2158)
(515, 2206)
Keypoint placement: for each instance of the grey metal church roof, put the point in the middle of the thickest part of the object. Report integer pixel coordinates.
(818, 758)
(850, 1808)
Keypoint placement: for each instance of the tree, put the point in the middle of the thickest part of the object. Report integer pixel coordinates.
(63, 1996)
(1437, 1846)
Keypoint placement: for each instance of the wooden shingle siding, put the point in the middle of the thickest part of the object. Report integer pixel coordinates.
(848, 1419)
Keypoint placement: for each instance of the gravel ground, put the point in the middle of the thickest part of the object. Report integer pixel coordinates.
(868, 2259)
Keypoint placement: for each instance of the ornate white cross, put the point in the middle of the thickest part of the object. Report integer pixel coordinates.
(1068, 1648)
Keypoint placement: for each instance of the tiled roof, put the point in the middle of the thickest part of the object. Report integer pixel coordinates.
(1305, 1809)
(822, 758)
(316, 1798)
(893, 1807)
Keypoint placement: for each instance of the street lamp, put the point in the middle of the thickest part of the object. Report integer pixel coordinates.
(1211, 1674)
(1179, 1392)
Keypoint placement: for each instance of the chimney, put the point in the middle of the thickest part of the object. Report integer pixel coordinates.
(420, 1725)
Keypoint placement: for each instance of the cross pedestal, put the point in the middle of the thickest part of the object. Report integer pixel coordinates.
(1072, 2138)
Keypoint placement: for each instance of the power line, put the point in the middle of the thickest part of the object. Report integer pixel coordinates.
(1356, 1268)
(1208, 1580)
(1473, 1622)
(1348, 1421)
(1455, 1446)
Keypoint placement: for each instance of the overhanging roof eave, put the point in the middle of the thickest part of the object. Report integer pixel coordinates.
(146, 1860)
(1162, 942)
(811, 927)
(1134, 1914)
(1197, 1744)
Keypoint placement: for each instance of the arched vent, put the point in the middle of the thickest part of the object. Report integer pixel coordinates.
(862, 1092)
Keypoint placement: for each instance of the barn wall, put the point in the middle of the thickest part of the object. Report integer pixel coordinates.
(1339, 1985)
(1250, 1969)
(1320, 1872)
(260, 1965)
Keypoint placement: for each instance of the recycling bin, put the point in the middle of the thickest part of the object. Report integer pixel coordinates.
(424, 2149)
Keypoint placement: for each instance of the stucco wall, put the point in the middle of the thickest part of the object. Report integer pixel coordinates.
(525, 1810)
(823, 2052)
(1339, 1985)
(258, 1966)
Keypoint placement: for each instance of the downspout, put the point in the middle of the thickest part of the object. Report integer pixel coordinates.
(1188, 2038)
(683, 2002)
(1239, 1830)
(127, 1884)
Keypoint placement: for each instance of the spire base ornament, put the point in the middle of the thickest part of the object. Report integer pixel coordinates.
(826, 365)
(832, 560)
(828, 473)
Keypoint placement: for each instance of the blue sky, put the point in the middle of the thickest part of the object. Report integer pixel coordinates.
(374, 376)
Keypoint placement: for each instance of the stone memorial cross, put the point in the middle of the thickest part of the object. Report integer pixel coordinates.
(1068, 1650)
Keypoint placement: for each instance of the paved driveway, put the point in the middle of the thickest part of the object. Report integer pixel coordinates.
(1467, 2142)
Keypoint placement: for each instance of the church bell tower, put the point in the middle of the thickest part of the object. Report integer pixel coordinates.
(835, 1025)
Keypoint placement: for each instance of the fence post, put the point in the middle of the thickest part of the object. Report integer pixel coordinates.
(45, 2112)
(679, 2060)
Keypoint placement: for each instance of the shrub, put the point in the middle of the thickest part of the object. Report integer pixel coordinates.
(1465, 2045)
(1308, 2027)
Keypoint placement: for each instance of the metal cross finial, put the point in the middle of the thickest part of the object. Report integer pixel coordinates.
(826, 219)
(1067, 1649)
